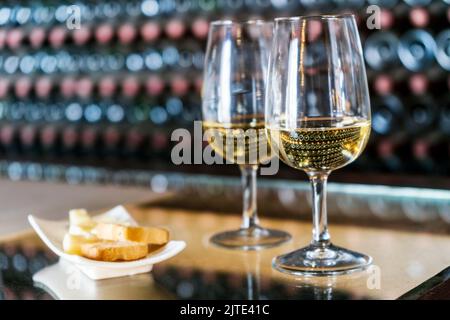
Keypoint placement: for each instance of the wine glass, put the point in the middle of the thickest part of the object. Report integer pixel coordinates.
(233, 117)
(318, 120)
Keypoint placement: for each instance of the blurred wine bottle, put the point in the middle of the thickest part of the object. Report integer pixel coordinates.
(443, 49)
(422, 111)
(416, 50)
(388, 124)
(380, 50)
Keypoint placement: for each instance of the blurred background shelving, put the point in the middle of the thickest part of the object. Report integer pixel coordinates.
(100, 102)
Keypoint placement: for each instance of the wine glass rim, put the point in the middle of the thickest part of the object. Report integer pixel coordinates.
(244, 22)
(318, 16)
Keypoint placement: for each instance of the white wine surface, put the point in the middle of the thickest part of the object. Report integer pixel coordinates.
(320, 144)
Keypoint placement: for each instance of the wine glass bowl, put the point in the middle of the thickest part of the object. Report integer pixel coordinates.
(318, 120)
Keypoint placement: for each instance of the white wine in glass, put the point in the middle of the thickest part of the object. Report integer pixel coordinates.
(242, 143)
(318, 120)
(321, 144)
(233, 117)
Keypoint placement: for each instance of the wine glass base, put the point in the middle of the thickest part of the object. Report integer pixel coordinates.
(253, 238)
(315, 260)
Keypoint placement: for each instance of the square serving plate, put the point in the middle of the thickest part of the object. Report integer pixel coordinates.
(52, 233)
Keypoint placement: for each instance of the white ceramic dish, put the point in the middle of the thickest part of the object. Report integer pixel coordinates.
(52, 234)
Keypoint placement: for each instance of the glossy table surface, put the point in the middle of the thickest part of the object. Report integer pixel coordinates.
(402, 261)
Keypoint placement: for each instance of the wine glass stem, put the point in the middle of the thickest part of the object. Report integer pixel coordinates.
(249, 214)
(321, 237)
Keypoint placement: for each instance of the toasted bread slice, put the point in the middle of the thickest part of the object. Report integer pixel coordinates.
(72, 243)
(114, 250)
(81, 223)
(80, 217)
(117, 232)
